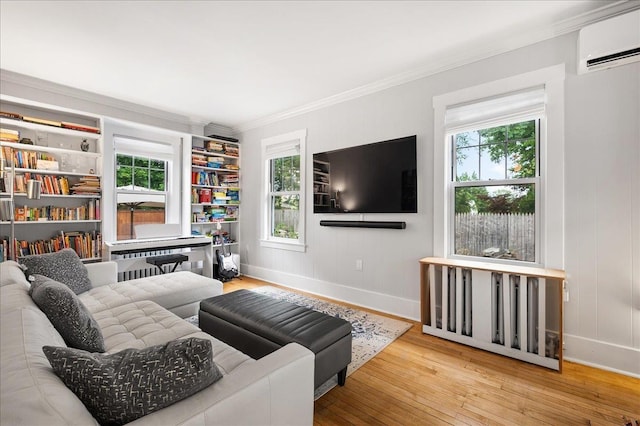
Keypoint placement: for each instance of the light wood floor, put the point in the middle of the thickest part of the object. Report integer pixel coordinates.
(424, 380)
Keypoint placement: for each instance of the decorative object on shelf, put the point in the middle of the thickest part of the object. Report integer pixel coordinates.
(26, 141)
(84, 146)
(33, 189)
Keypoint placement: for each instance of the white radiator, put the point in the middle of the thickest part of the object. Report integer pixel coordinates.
(134, 265)
(513, 311)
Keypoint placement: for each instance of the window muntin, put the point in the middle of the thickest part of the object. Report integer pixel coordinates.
(495, 175)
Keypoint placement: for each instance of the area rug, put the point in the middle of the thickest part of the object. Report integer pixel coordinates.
(371, 333)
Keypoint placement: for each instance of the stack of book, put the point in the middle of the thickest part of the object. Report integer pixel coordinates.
(220, 197)
(231, 213)
(87, 185)
(9, 135)
(231, 150)
(215, 162)
(229, 179)
(199, 160)
(213, 146)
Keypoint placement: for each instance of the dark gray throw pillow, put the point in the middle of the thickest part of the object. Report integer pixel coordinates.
(121, 387)
(63, 266)
(67, 313)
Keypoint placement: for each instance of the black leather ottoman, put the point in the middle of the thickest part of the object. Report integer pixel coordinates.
(258, 325)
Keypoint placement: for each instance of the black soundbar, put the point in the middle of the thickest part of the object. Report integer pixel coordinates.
(364, 224)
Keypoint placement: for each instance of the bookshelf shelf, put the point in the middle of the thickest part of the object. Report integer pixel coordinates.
(42, 222)
(214, 169)
(49, 149)
(214, 223)
(22, 194)
(25, 125)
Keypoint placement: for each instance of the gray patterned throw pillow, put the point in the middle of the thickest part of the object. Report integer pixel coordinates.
(121, 387)
(67, 314)
(63, 266)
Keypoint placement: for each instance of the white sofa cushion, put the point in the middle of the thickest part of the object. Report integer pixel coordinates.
(169, 290)
(143, 324)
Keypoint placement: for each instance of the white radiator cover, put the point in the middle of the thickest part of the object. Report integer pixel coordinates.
(512, 314)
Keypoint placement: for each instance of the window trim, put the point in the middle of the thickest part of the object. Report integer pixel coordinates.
(551, 161)
(276, 147)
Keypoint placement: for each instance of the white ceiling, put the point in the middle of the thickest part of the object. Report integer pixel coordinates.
(236, 62)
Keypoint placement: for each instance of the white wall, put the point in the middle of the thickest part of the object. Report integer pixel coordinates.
(602, 202)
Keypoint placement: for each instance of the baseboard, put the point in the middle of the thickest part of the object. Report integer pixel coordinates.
(603, 355)
(401, 307)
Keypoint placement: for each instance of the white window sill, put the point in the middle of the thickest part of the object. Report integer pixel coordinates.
(284, 245)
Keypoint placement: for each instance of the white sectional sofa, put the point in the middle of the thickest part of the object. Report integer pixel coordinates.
(276, 389)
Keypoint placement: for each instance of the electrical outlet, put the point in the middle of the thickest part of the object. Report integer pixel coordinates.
(358, 264)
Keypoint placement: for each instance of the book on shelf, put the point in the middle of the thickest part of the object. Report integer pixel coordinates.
(87, 185)
(80, 127)
(231, 150)
(9, 135)
(11, 115)
(213, 146)
(87, 211)
(44, 121)
(88, 245)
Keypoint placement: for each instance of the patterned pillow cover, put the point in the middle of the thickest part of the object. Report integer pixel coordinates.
(63, 266)
(121, 387)
(68, 315)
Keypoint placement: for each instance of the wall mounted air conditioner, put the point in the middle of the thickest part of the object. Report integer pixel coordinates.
(609, 43)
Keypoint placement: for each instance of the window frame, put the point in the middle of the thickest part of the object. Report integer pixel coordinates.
(535, 180)
(551, 161)
(282, 146)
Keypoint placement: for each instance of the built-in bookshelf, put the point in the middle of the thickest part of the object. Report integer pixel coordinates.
(321, 184)
(61, 149)
(215, 189)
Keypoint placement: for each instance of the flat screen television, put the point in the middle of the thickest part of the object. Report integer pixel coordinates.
(374, 178)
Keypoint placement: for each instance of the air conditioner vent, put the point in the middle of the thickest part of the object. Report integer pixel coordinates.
(613, 57)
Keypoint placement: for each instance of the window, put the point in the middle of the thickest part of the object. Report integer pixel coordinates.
(494, 186)
(498, 170)
(140, 192)
(143, 188)
(284, 201)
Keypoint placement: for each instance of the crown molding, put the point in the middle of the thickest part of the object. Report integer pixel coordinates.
(7, 76)
(464, 57)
